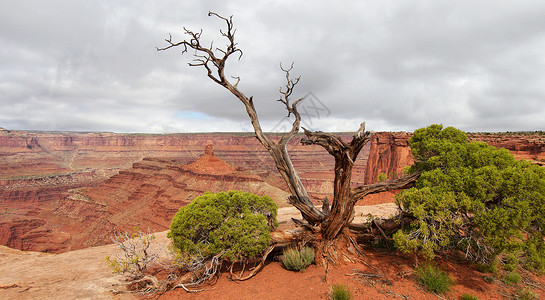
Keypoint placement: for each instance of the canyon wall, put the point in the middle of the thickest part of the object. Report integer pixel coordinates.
(24, 154)
(529, 147)
(65, 215)
(62, 191)
(389, 154)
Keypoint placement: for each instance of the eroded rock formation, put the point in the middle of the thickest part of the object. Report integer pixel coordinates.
(522, 146)
(389, 154)
(64, 216)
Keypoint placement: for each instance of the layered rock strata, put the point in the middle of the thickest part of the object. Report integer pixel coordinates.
(67, 216)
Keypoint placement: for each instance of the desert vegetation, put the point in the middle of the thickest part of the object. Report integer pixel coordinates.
(297, 258)
(340, 291)
(222, 227)
(474, 198)
(433, 278)
(216, 229)
(137, 253)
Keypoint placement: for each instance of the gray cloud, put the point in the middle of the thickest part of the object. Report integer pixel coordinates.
(80, 65)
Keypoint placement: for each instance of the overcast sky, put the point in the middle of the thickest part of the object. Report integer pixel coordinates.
(398, 65)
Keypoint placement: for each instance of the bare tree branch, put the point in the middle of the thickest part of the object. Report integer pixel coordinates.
(389, 185)
(214, 62)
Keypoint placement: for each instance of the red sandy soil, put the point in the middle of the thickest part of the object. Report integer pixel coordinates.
(392, 277)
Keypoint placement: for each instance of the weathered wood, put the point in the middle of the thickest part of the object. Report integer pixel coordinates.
(214, 62)
(285, 237)
(404, 182)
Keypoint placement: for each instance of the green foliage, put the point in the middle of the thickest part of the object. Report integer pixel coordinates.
(473, 197)
(234, 225)
(433, 278)
(489, 267)
(511, 262)
(469, 297)
(382, 177)
(297, 259)
(489, 279)
(525, 294)
(511, 278)
(340, 292)
(137, 253)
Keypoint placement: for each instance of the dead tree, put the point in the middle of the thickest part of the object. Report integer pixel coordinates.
(330, 221)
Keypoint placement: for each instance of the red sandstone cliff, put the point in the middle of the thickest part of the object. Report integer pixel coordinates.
(30, 153)
(57, 214)
(528, 147)
(389, 154)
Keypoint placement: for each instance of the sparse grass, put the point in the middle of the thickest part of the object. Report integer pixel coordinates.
(468, 297)
(340, 291)
(434, 279)
(491, 267)
(489, 279)
(511, 278)
(525, 294)
(298, 259)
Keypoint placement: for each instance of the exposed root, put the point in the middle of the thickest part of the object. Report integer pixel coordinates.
(299, 223)
(529, 281)
(146, 285)
(255, 269)
(364, 274)
(200, 271)
(381, 230)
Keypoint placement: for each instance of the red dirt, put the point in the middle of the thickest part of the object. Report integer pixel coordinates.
(396, 281)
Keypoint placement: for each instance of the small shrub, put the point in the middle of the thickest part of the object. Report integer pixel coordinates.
(382, 177)
(511, 262)
(233, 226)
(511, 278)
(433, 278)
(340, 292)
(491, 267)
(296, 259)
(468, 297)
(137, 253)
